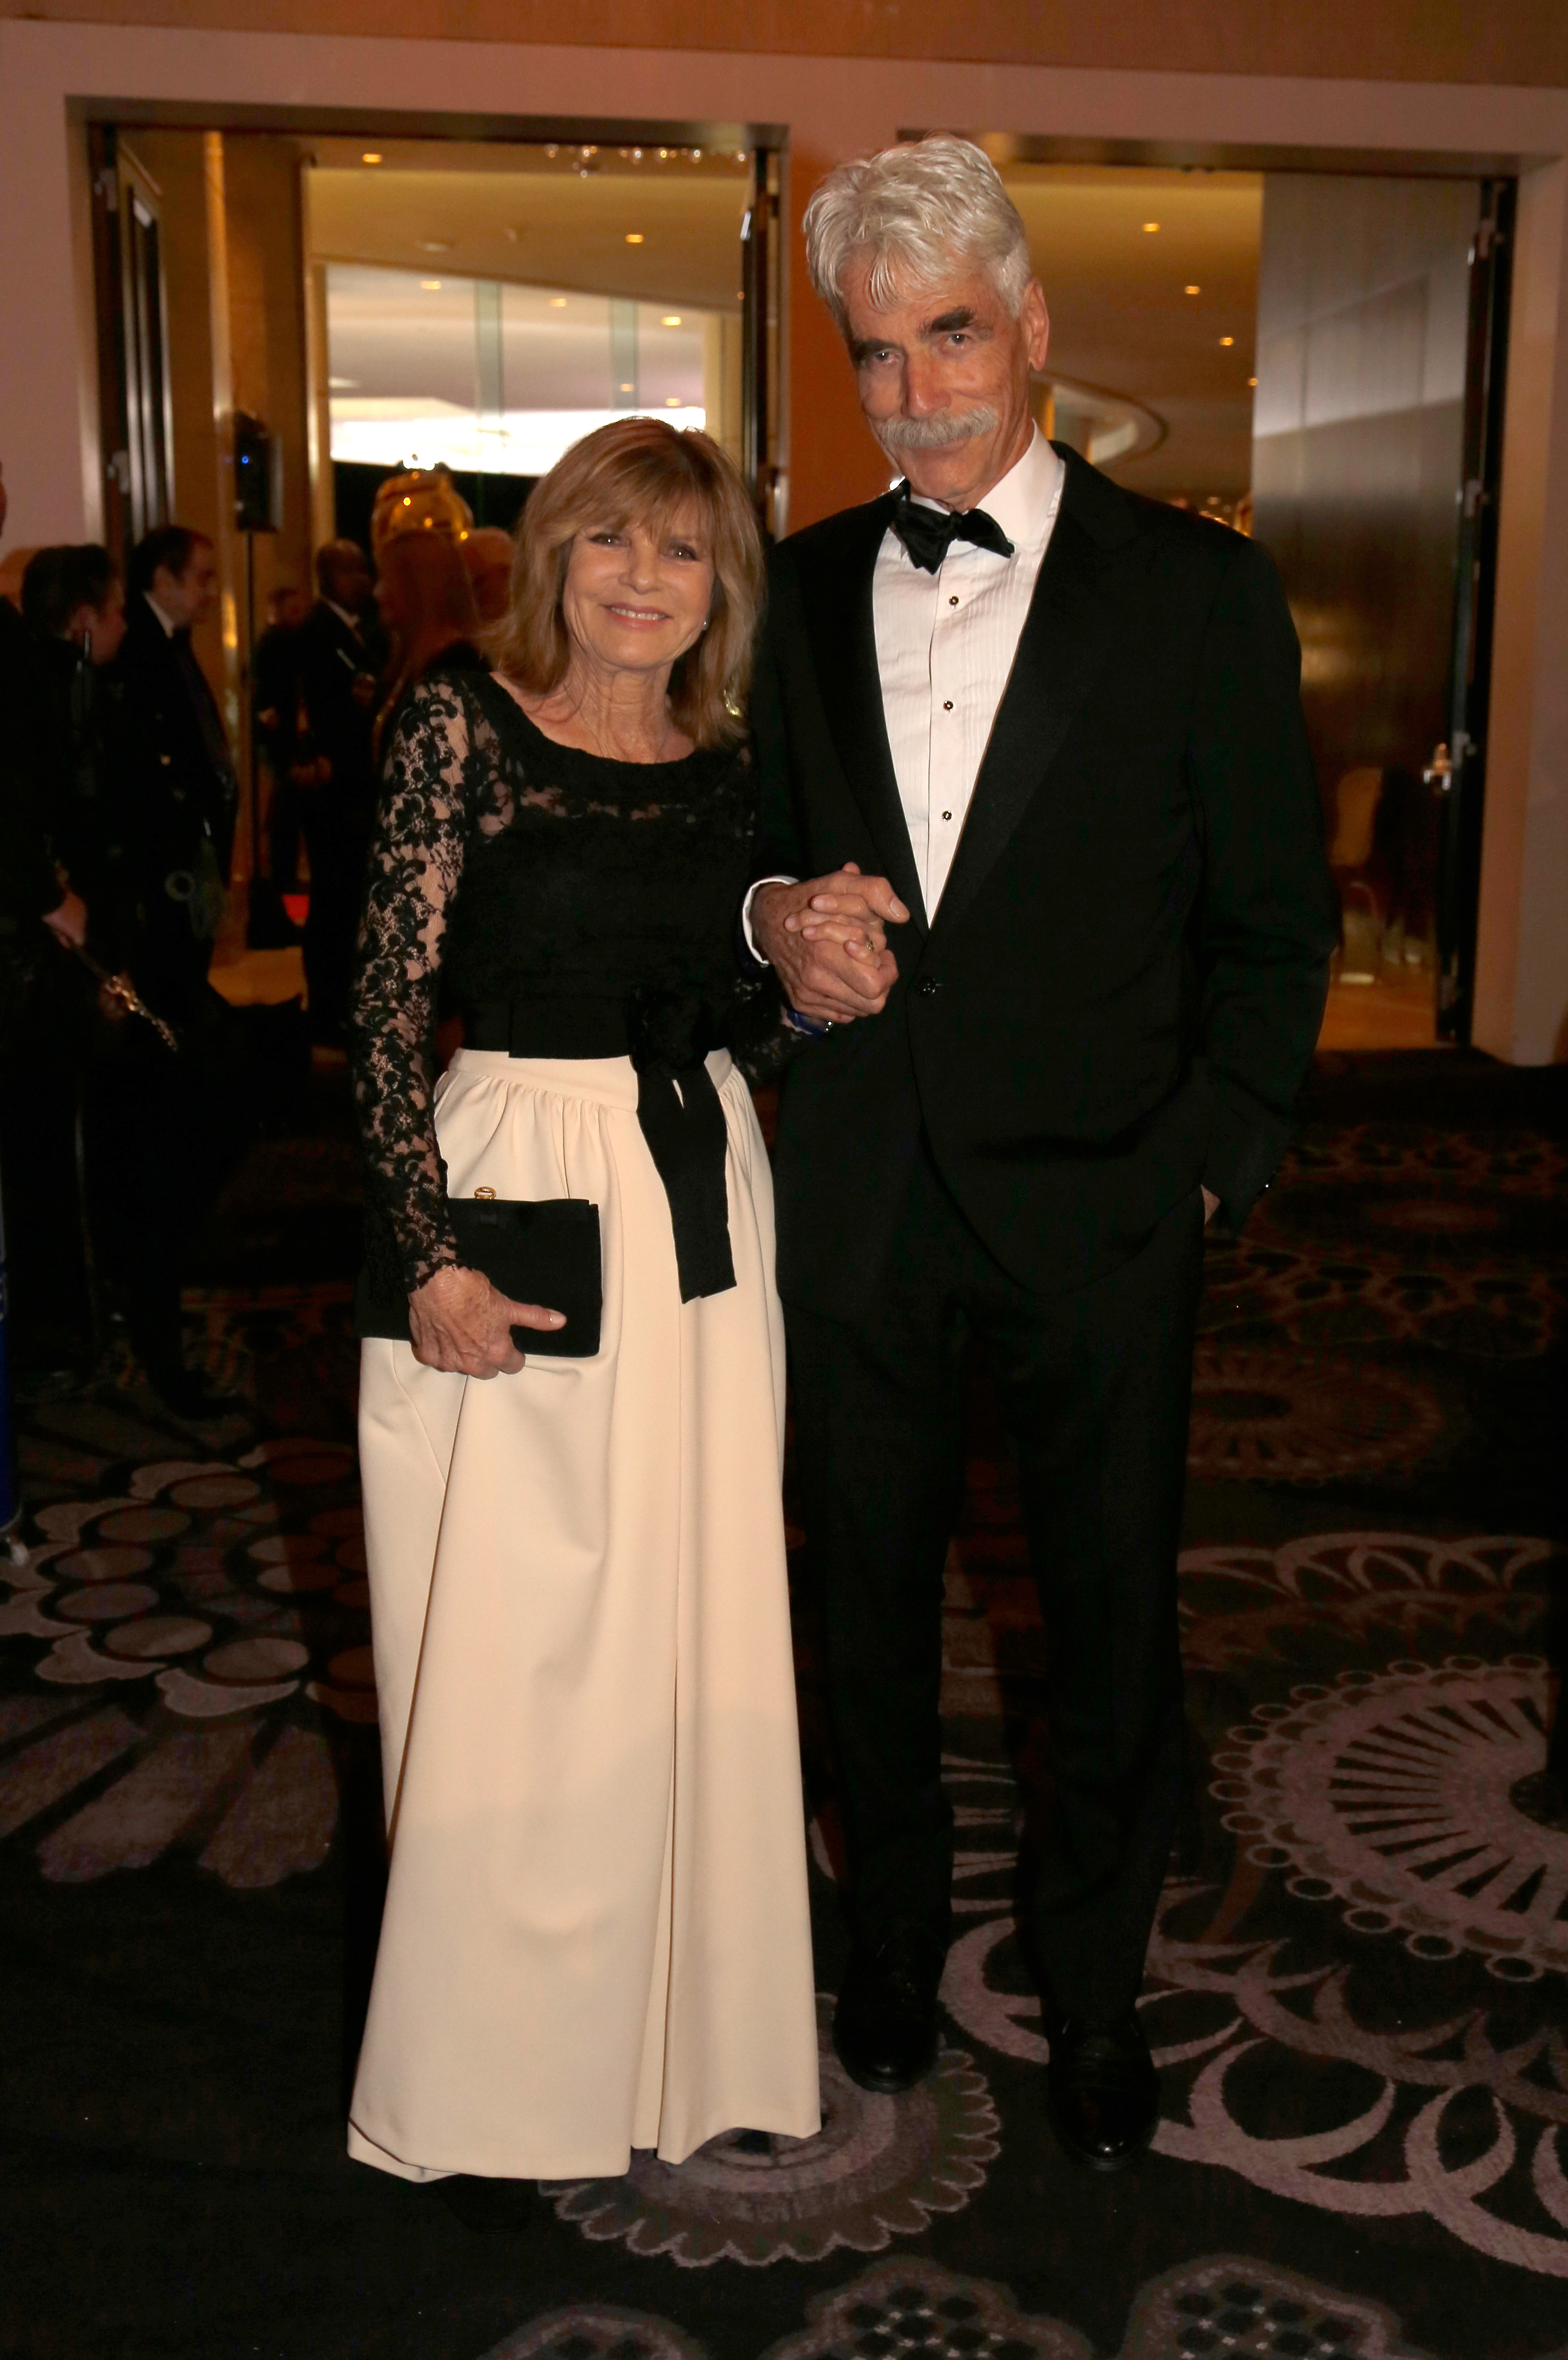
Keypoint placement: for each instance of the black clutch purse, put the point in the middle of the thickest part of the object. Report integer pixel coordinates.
(545, 1251)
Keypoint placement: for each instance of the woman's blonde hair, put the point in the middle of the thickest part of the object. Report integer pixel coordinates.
(641, 471)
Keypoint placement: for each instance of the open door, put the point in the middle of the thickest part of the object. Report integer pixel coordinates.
(135, 404)
(1376, 429)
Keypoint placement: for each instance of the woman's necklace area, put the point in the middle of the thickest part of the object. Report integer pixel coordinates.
(560, 710)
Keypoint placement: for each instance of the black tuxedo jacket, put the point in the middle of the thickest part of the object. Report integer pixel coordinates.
(1125, 975)
(176, 748)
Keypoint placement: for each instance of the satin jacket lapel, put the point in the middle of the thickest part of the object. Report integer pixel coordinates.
(843, 638)
(1068, 633)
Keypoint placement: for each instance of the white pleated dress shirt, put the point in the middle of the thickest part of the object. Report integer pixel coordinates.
(945, 645)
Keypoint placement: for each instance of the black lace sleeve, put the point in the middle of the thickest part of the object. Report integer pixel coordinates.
(416, 865)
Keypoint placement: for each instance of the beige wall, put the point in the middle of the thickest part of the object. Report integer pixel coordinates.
(1523, 42)
(187, 168)
(267, 314)
(837, 106)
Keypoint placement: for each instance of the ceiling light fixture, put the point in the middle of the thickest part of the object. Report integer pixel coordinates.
(371, 155)
(1151, 226)
(628, 389)
(430, 286)
(1227, 340)
(672, 401)
(634, 237)
(1252, 380)
(670, 320)
(1191, 290)
(433, 245)
(558, 302)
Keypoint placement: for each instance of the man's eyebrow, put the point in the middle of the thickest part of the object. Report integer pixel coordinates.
(961, 316)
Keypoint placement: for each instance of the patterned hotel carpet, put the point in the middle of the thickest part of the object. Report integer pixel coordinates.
(1357, 1987)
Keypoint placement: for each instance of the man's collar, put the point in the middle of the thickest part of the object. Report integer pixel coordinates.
(165, 624)
(1027, 495)
(351, 620)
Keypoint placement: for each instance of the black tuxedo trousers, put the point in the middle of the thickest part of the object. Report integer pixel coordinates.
(1096, 1387)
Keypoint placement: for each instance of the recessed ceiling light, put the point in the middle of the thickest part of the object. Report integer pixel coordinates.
(696, 155)
(342, 384)
(670, 320)
(672, 401)
(553, 151)
(628, 389)
(558, 302)
(636, 155)
(1191, 290)
(1227, 340)
(430, 286)
(664, 154)
(1151, 225)
(433, 245)
(1252, 380)
(634, 237)
(371, 155)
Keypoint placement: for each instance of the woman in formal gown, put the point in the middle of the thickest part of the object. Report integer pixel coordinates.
(596, 1935)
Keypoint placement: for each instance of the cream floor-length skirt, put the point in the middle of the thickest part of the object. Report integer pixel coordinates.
(596, 1934)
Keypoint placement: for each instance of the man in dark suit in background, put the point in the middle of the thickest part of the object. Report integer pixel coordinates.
(333, 772)
(1058, 729)
(167, 1125)
(179, 776)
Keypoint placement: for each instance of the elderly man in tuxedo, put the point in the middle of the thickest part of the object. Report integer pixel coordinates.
(1049, 733)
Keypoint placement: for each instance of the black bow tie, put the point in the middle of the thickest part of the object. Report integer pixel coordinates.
(928, 533)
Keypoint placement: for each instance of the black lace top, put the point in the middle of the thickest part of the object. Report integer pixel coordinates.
(507, 869)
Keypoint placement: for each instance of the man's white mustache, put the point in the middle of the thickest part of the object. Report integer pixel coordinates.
(938, 434)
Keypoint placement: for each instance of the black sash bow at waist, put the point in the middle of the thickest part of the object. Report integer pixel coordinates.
(667, 1035)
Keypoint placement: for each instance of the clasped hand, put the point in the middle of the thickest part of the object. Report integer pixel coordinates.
(457, 1321)
(827, 941)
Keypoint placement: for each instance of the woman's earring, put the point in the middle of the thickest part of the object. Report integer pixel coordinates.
(706, 620)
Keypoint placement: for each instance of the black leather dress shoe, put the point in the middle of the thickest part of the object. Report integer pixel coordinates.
(884, 2023)
(1102, 2089)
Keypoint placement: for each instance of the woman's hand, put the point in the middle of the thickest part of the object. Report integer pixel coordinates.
(457, 1321)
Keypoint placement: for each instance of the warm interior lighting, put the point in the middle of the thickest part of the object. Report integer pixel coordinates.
(672, 401)
(371, 155)
(1151, 226)
(1193, 290)
(634, 237)
(628, 389)
(1252, 380)
(1227, 340)
(670, 320)
(558, 302)
(430, 286)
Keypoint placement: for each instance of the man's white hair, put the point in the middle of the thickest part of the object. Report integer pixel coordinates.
(912, 214)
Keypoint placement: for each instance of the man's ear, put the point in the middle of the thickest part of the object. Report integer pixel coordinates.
(1034, 321)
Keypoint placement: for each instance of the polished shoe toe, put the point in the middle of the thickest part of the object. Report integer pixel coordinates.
(1102, 2091)
(885, 2025)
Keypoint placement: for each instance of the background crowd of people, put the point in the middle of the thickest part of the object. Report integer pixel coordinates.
(119, 795)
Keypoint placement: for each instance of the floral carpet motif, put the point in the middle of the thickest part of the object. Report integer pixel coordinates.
(1355, 1991)
(1225, 2304)
(1450, 1243)
(188, 1631)
(880, 2169)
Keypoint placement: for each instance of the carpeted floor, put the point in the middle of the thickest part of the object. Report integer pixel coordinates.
(1357, 1987)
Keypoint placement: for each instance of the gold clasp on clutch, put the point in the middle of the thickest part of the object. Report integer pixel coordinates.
(486, 1192)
